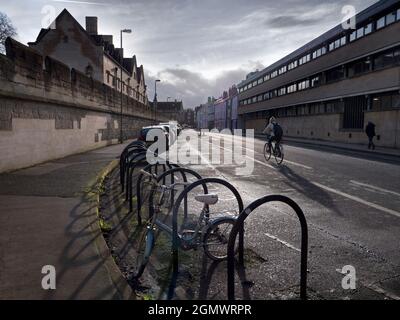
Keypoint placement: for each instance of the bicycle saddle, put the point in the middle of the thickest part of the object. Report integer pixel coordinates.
(210, 198)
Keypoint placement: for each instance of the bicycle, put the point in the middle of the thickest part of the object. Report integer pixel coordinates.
(211, 234)
(276, 149)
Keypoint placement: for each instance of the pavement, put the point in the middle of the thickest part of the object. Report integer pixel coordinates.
(48, 218)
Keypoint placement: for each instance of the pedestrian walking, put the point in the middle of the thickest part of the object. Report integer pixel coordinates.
(370, 131)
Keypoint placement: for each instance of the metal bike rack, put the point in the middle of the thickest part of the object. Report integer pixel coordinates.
(175, 235)
(139, 158)
(239, 226)
(125, 155)
(148, 168)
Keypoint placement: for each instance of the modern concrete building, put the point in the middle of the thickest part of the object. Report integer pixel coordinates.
(95, 55)
(332, 86)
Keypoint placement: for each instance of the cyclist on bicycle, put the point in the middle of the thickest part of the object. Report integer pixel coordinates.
(273, 131)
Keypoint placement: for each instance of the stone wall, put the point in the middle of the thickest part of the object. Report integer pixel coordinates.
(48, 110)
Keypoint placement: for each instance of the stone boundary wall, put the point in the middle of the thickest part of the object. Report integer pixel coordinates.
(48, 110)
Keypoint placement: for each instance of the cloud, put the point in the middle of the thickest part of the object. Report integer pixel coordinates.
(192, 87)
(290, 22)
(197, 48)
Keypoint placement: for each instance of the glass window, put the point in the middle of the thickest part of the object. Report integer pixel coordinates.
(342, 41)
(353, 36)
(380, 23)
(398, 14)
(335, 74)
(396, 100)
(386, 102)
(315, 81)
(260, 81)
(266, 77)
(360, 33)
(323, 50)
(337, 43)
(385, 60)
(254, 83)
(359, 67)
(368, 29)
(331, 46)
(397, 56)
(390, 18)
(250, 85)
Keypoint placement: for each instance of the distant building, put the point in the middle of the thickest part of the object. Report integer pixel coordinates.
(188, 117)
(232, 108)
(93, 54)
(220, 112)
(202, 116)
(332, 86)
(172, 110)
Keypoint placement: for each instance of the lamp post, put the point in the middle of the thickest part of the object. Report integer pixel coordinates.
(155, 99)
(121, 138)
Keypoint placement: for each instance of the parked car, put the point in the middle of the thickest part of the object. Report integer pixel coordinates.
(172, 134)
(144, 134)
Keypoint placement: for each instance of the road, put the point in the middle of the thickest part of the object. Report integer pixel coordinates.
(352, 206)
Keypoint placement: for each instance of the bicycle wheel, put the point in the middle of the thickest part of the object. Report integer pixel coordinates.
(267, 152)
(215, 241)
(144, 249)
(279, 154)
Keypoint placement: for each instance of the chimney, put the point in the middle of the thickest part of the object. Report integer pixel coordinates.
(120, 52)
(91, 25)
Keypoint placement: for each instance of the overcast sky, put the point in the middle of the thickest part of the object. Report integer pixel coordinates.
(198, 48)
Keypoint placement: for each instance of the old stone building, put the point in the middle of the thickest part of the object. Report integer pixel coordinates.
(171, 110)
(91, 53)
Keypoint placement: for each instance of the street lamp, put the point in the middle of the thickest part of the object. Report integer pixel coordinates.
(121, 139)
(155, 99)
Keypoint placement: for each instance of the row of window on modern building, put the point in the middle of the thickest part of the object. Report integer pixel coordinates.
(375, 62)
(376, 102)
(324, 49)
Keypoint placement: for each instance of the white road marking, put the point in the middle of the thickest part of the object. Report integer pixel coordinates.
(255, 160)
(261, 152)
(357, 199)
(375, 188)
(287, 244)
